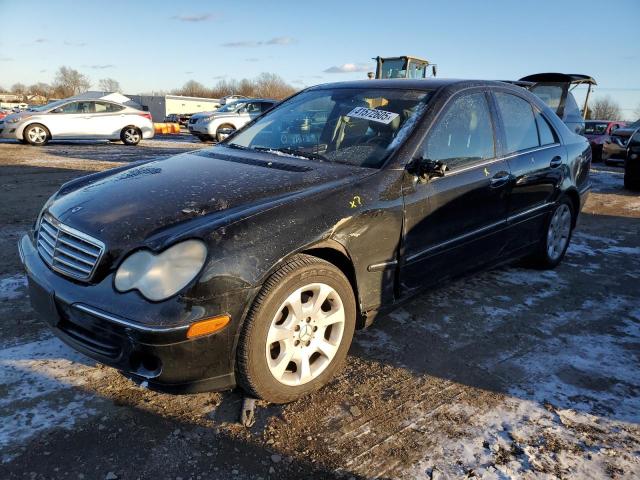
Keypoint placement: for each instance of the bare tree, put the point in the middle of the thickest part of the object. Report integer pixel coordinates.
(605, 109)
(109, 85)
(70, 82)
(41, 88)
(19, 89)
(270, 85)
(193, 89)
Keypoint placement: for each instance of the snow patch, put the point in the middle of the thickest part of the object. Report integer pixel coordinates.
(37, 381)
(12, 287)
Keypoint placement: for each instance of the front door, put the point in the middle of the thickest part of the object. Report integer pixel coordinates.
(456, 222)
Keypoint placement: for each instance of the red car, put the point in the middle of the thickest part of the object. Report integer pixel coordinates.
(4, 113)
(598, 133)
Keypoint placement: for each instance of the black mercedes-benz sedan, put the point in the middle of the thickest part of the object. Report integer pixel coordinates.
(252, 263)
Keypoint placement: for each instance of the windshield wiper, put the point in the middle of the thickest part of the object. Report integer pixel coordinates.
(293, 152)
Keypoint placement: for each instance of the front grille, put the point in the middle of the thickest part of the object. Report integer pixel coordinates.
(66, 250)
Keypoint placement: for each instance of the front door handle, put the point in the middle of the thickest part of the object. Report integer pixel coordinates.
(500, 179)
(556, 161)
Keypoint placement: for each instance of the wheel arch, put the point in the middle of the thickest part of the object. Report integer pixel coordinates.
(35, 122)
(574, 197)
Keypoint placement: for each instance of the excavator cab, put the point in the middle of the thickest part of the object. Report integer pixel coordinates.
(402, 67)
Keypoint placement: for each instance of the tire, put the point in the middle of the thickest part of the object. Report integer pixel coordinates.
(557, 236)
(36, 134)
(296, 337)
(131, 135)
(630, 185)
(224, 126)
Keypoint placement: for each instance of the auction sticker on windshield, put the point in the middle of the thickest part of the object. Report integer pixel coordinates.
(376, 115)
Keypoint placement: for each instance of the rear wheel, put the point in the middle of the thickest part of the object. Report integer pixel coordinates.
(297, 333)
(131, 135)
(559, 228)
(36, 134)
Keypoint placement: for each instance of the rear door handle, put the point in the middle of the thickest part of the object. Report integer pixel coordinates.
(556, 161)
(500, 179)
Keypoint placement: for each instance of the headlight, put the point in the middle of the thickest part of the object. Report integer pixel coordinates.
(208, 119)
(13, 120)
(160, 276)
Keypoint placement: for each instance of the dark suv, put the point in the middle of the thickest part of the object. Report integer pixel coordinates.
(252, 263)
(632, 162)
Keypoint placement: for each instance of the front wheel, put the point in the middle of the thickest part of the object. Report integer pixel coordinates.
(298, 331)
(36, 134)
(557, 236)
(224, 131)
(131, 135)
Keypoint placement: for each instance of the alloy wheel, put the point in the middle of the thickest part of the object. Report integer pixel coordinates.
(37, 134)
(558, 232)
(131, 135)
(305, 334)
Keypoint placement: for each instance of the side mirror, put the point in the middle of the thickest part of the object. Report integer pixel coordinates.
(426, 169)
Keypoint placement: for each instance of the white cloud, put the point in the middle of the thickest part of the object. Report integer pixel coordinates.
(203, 17)
(349, 68)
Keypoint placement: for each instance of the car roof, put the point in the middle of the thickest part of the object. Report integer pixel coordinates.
(408, 84)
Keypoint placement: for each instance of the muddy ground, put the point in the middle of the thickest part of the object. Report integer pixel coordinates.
(508, 373)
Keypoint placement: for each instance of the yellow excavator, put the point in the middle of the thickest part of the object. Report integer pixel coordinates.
(402, 67)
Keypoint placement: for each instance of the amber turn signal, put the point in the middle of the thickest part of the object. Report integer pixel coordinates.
(210, 325)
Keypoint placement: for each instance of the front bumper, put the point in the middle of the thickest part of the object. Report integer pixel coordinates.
(10, 130)
(159, 354)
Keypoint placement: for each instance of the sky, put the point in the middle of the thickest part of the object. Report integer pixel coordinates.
(159, 45)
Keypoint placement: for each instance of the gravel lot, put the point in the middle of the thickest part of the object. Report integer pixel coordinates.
(508, 373)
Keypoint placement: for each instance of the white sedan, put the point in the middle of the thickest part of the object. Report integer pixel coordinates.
(78, 120)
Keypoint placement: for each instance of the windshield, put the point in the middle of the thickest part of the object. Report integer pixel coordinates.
(595, 128)
(360, 127)
(635, 124)
(48, 106)
(231, 107)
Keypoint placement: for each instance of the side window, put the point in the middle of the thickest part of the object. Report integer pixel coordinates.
(101, 107)
(86, 107)
(112, 107)
(519, 124)
(547, 135)
(463, 134)
(69, 108)
(265, 106)
(253, 108)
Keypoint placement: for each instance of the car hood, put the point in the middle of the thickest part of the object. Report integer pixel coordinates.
(153, 202)
(20, 115)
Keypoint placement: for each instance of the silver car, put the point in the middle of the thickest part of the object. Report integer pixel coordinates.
(78, 119)
(228, 118)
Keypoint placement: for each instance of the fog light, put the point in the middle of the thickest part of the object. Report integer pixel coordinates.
(210, 325)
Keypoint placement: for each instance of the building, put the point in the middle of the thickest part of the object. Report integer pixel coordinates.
(162, 105)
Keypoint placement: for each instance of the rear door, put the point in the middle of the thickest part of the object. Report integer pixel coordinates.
(108, 120)
(536, 160)
(456, 222)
